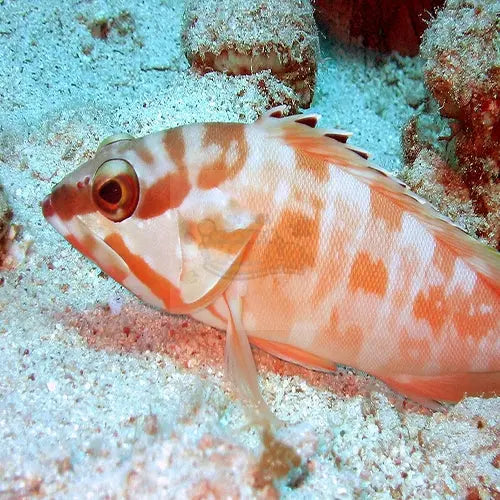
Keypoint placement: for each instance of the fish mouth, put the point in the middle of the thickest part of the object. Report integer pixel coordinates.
(76, 232)
(72, 230)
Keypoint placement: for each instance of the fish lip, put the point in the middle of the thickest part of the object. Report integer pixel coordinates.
(51, 216)
(48, 210)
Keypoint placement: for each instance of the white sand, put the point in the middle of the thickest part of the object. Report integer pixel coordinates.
(106, 414)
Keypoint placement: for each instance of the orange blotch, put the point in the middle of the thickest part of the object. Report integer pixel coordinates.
(158, 284)
(384, 209)
(224, 135)
(169, 191)
(368, 275)
(476, 314)
(331, 270)
(173, 142)
(68, 201)
(318, 167)
(432, 306)
(145, 154)
(209, 233)
(213, 176)
(317, 203)
(294, 243)
(339, 236)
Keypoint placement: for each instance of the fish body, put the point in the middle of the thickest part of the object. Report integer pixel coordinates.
(286, 237)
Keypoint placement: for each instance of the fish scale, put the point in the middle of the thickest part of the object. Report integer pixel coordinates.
(287, 237)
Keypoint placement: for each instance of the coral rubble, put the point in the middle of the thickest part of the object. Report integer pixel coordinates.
(385, 25)
(5, 218)
(13, 245)
(246, 37)
(101, 27)
(462, 72)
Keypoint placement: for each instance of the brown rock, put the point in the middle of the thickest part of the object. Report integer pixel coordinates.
(242, 37)
(383, 25)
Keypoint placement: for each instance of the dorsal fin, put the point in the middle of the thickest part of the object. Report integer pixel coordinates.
(311, 120)
(322, 143)
(361, 152)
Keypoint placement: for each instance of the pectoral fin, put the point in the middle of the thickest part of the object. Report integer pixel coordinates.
(293, 354)
(240, 366)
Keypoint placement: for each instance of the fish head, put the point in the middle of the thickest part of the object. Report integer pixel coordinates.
(106, 210)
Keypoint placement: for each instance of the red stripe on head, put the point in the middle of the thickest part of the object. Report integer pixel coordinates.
(158, 284)
(68, 201)
(223, 135)
(166, 193)
(170, 190)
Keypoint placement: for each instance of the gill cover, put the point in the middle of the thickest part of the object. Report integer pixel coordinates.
(214, 232)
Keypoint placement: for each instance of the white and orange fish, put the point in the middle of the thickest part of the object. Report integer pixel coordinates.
(289, 239)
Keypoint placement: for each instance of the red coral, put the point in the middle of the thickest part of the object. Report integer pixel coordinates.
(383, 25)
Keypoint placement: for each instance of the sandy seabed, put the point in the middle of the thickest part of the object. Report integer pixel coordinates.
(101, 403)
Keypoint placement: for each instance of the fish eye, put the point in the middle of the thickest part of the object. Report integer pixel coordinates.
(115, 189)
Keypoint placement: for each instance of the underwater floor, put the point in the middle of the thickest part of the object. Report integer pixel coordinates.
(103, 397)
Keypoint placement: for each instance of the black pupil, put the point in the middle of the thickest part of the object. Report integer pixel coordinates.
(111, 192)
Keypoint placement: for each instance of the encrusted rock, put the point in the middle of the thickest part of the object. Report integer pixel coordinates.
(242, 37)
(462, 73)
(429, 175)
